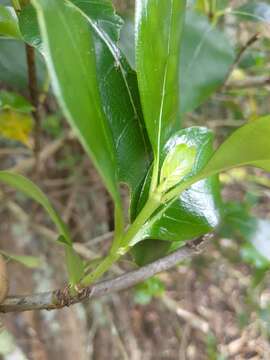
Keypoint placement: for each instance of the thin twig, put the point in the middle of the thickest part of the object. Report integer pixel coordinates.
(193, 320)
(249, 82)
(60, 298)
(48, 151)
(238, 58)
(34, 95)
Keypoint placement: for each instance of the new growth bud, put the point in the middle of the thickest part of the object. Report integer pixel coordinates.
(177, 164)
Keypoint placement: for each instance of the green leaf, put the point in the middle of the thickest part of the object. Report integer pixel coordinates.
(19, 182)
(29, 28)
(9, 22)
(158, 32)
(119, 93)
(248, 145)
(147, 290)
(252, 256)
(13, 68)
(177, 164)
(237, 221)
(26, 186)
(70, 56)
(11, 100)
(102, 16)
(206, 57)
(194, 213)
(31, 262)
(254, 11)
(117, 84)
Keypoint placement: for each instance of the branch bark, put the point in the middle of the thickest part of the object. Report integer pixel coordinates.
(238, 58)
(60, 298)
(34, 95)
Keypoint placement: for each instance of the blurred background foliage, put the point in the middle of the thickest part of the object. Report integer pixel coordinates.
(216, 306)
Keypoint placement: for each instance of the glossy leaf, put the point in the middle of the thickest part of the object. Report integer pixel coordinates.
(29, 28)
(70, 57)
(9, 22)
(119, 93)
(158, 30)
(16, 126)
(102, 16)
(247, 146)
(206, 57)
(13, 101)
(117, 84)
(194, 213)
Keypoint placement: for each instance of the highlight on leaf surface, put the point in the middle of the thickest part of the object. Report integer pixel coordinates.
(247, 146)
(177, 164)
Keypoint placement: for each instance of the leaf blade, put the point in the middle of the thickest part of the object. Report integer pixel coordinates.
(117, 84)
(68, 44)
(157, 66)
(248, 145)
(26, 186)
(31, 262)
(206, 57)
(21, 183)
(120, 96)
(194, 213)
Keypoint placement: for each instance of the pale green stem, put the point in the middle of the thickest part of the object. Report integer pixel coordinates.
(151, 205)
(103, 267)
(137, 230)
(154, 181)
(121, 244)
